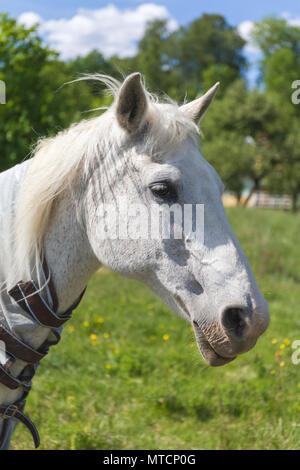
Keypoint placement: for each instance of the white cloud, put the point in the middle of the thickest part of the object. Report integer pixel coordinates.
(292, 21)
(109, 29)
(245, 29)
(29, 18)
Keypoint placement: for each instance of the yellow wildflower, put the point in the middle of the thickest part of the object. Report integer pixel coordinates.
(93, 336)
(272, 372)
(287, 342)
(282, 364)
(274, 341)
(100, 320)
(71, 328)
(105, 335)
(282, 346)
(166, 337)
(86, 324)
(108, 366)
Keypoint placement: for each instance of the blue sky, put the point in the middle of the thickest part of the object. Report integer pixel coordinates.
(73, 26)
(184, 11)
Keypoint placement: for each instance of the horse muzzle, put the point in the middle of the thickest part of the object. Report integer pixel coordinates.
(236, 332)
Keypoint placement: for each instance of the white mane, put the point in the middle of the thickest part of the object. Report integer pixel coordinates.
(56, 161)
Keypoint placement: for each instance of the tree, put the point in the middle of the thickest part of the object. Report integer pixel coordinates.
(151, 59)
(231, 155)
(222, 73)
(92, 63)
(285, 177)
(22, 58)
(182, 62)
(36, 105)
(280, 45)
(242, 131)
(207, 41)
(65, 103)
(272, 34)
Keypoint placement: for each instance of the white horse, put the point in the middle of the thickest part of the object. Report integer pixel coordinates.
(52, 205)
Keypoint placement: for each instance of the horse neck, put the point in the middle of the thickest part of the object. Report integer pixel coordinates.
(68, 253)
(71, 264)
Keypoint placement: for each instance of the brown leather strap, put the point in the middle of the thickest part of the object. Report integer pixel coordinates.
(29, 298)
(16, 412)
(16, 348)
(12, 382)
(4, 432)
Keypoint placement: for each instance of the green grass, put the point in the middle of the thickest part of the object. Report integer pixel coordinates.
(132, 389)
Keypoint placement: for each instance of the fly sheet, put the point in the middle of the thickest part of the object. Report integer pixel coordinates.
(28, 321)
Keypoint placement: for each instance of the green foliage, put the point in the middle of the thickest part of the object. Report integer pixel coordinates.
(285, 177)
(22, 57)
(175, 62)
(150, 58)
(223, 73)
(280, 45)
(207, 41)
(241, 132)
(271, 34)
(36, 103)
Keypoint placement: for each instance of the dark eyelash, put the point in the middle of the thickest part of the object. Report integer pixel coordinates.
(163, 190)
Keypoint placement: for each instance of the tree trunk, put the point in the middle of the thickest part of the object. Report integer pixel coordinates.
(238, 198)
(255, 188)
(294, 202)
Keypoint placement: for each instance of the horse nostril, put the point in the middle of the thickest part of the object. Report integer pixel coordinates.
(234, 321)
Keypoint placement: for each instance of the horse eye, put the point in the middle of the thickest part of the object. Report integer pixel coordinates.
(161, 189)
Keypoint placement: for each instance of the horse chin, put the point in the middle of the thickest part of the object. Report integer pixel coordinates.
(207, 351)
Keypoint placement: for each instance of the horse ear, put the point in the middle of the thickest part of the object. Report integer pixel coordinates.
(196, 109)
(132, 103)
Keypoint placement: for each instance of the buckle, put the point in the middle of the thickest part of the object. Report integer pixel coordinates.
(10, 408)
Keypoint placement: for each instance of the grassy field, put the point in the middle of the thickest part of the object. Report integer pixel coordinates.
(127, 373)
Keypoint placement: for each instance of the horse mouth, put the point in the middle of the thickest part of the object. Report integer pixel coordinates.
(207, 351)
